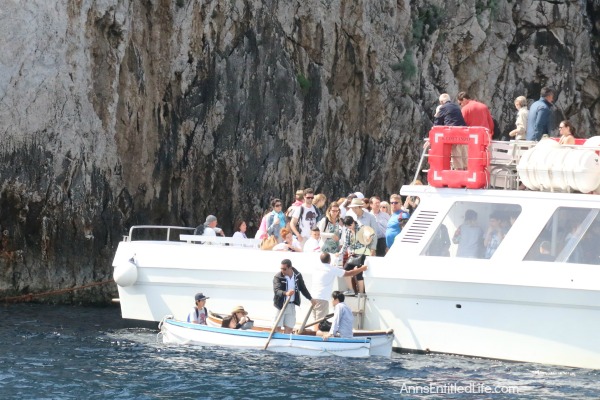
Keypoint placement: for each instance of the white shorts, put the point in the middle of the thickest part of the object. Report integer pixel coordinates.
(288, 319)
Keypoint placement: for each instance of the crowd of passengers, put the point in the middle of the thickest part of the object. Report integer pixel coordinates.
(306, 225)
(349, 229)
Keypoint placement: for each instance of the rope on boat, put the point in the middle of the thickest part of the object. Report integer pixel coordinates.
(30, 296)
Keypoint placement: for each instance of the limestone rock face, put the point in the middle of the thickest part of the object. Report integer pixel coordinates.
(123, 112)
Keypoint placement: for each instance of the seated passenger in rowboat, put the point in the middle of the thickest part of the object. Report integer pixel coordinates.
(343, 319)
(238, 319)
(198, 313)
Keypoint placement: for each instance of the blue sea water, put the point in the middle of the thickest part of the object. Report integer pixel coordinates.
(68, 352)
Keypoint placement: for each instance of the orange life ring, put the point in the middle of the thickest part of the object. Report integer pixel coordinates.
(441, 140)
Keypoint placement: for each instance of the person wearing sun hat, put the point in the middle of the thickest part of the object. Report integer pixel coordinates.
(198, 313)
(237, 319)
(363, 218)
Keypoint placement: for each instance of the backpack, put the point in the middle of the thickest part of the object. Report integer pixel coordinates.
(199, 230)
(198, 314)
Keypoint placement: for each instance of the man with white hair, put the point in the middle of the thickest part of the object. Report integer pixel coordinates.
(450, 114)
(210, 227)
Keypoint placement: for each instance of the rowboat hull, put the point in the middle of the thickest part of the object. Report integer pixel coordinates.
(183, 333)
(381, 341)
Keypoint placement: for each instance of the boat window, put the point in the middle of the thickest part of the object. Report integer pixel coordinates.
(472, 230)
(571, 235)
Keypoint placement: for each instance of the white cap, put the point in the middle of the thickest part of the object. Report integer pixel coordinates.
(359, 195)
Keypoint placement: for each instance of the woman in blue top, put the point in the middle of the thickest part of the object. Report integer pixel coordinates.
(276, 220)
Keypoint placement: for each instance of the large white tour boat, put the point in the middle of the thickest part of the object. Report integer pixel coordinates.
(518, 279)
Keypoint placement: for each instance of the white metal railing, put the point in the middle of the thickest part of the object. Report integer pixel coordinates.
(166, 228)
(230, 241)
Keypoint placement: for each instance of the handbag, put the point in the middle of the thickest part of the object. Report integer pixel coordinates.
(268, 243)
(325, 326)
(355, 260)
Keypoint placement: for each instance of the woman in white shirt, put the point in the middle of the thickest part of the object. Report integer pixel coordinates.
(240, 229)
(521, 131)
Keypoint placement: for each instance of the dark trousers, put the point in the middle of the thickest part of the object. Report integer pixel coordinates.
(381, 247)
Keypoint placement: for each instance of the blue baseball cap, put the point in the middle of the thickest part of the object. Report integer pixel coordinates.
(200, 296)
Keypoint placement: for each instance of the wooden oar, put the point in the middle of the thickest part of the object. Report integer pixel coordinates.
(277, 321)
(306, 319)
(319, 320)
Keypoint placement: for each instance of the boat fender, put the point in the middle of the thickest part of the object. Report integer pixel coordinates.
(126, 273)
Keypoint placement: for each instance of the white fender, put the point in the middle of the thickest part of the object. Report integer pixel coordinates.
(126, 273)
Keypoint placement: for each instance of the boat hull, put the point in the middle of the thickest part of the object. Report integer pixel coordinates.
(381, 341)
(183, 333)
(459, 308)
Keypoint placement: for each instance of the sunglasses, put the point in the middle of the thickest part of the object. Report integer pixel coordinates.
(309, 197)
(394, 202)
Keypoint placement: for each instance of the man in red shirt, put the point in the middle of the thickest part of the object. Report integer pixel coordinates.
(475, 113)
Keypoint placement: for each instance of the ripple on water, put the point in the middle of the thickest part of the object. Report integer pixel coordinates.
(88, 353)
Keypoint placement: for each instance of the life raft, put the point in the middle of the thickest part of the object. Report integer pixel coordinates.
(441, 140)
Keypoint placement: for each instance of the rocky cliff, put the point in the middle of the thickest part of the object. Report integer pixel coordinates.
(117, 112)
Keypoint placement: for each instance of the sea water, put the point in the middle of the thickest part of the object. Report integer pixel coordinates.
(67, 352)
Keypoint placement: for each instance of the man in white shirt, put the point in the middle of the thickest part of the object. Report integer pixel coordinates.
(322, 283)
(305, 217)
(289, 283)
(210, 227)
(382, 219)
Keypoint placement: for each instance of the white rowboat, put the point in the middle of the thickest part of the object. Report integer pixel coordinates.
(184, 333)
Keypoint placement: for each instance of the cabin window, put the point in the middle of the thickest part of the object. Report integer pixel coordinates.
(571, 235)
(472, 230)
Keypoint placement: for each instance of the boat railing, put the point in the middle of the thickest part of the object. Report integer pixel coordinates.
(156, 232)
(504, 158)
(219, 240)
(358, 305)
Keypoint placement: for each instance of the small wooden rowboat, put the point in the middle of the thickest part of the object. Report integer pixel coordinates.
(381, 341)
(178, 332)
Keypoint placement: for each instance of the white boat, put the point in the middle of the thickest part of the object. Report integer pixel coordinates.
(516, 305)
(177, 332)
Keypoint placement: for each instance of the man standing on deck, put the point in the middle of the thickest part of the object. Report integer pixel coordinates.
(394, 225)
(286, 284)
(540, 115)
(475, 113)
(382, 219)
(305, 217)
(449, 114)
(363, 217)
